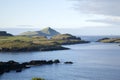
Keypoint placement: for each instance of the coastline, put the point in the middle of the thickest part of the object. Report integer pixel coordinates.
(37, 43)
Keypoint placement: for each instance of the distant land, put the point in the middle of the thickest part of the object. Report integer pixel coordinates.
(4, 33)
(37, 41)
(85, 31)
(44, 32)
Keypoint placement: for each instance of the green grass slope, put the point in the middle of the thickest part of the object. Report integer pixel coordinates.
(44, 32)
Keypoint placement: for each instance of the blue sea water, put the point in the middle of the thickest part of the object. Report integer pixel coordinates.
(92, 61)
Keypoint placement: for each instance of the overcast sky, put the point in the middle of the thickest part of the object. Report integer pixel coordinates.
(108, 9)
(77, 14)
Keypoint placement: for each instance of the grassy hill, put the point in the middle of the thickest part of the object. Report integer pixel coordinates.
(110, 40)
(44, 32)
(37, 43)
(64, 39)
(24, 43)
(49, 31)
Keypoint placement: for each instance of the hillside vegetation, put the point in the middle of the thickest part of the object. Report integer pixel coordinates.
(37, 43)
(67, 39)
(110, 40)
(23, 43)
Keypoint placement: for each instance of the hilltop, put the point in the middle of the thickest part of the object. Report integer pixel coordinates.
(44, 32)
(49, 31)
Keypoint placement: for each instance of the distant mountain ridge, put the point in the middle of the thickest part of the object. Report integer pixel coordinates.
(4, 33)
(44, 32)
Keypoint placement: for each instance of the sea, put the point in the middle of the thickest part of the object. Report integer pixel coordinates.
(91, 61)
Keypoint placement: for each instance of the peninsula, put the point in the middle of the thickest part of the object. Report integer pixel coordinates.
(23, 43)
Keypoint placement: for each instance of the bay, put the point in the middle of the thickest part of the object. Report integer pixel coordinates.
(93, 61)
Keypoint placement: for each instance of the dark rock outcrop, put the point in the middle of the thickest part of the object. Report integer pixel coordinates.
(18, 67)
(10, 65)
(68, 62)
(33, 48)
(56, 61)
(4, 33)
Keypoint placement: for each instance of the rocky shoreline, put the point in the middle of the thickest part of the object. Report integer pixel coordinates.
(6, 67)
(51, 48)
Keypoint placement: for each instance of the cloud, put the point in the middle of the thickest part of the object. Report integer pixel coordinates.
(109, 21)
(109, 10)
(25, 26)
(18, 26)
(100, 7)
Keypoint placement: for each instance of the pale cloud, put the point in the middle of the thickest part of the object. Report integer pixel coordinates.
(111, 20)
(19, 26)
(25, 26)
(108, 9)
(101, 7)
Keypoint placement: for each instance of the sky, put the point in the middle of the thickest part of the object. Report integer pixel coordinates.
(84, 17)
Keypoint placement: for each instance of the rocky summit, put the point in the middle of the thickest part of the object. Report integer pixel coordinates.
(44, 32)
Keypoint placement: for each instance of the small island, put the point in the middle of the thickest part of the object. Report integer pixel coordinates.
(109, 40)
(24, 43)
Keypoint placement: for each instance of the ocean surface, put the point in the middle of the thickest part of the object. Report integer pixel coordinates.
(92, 61)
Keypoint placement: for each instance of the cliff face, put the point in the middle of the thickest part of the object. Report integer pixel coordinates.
(4, 33)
